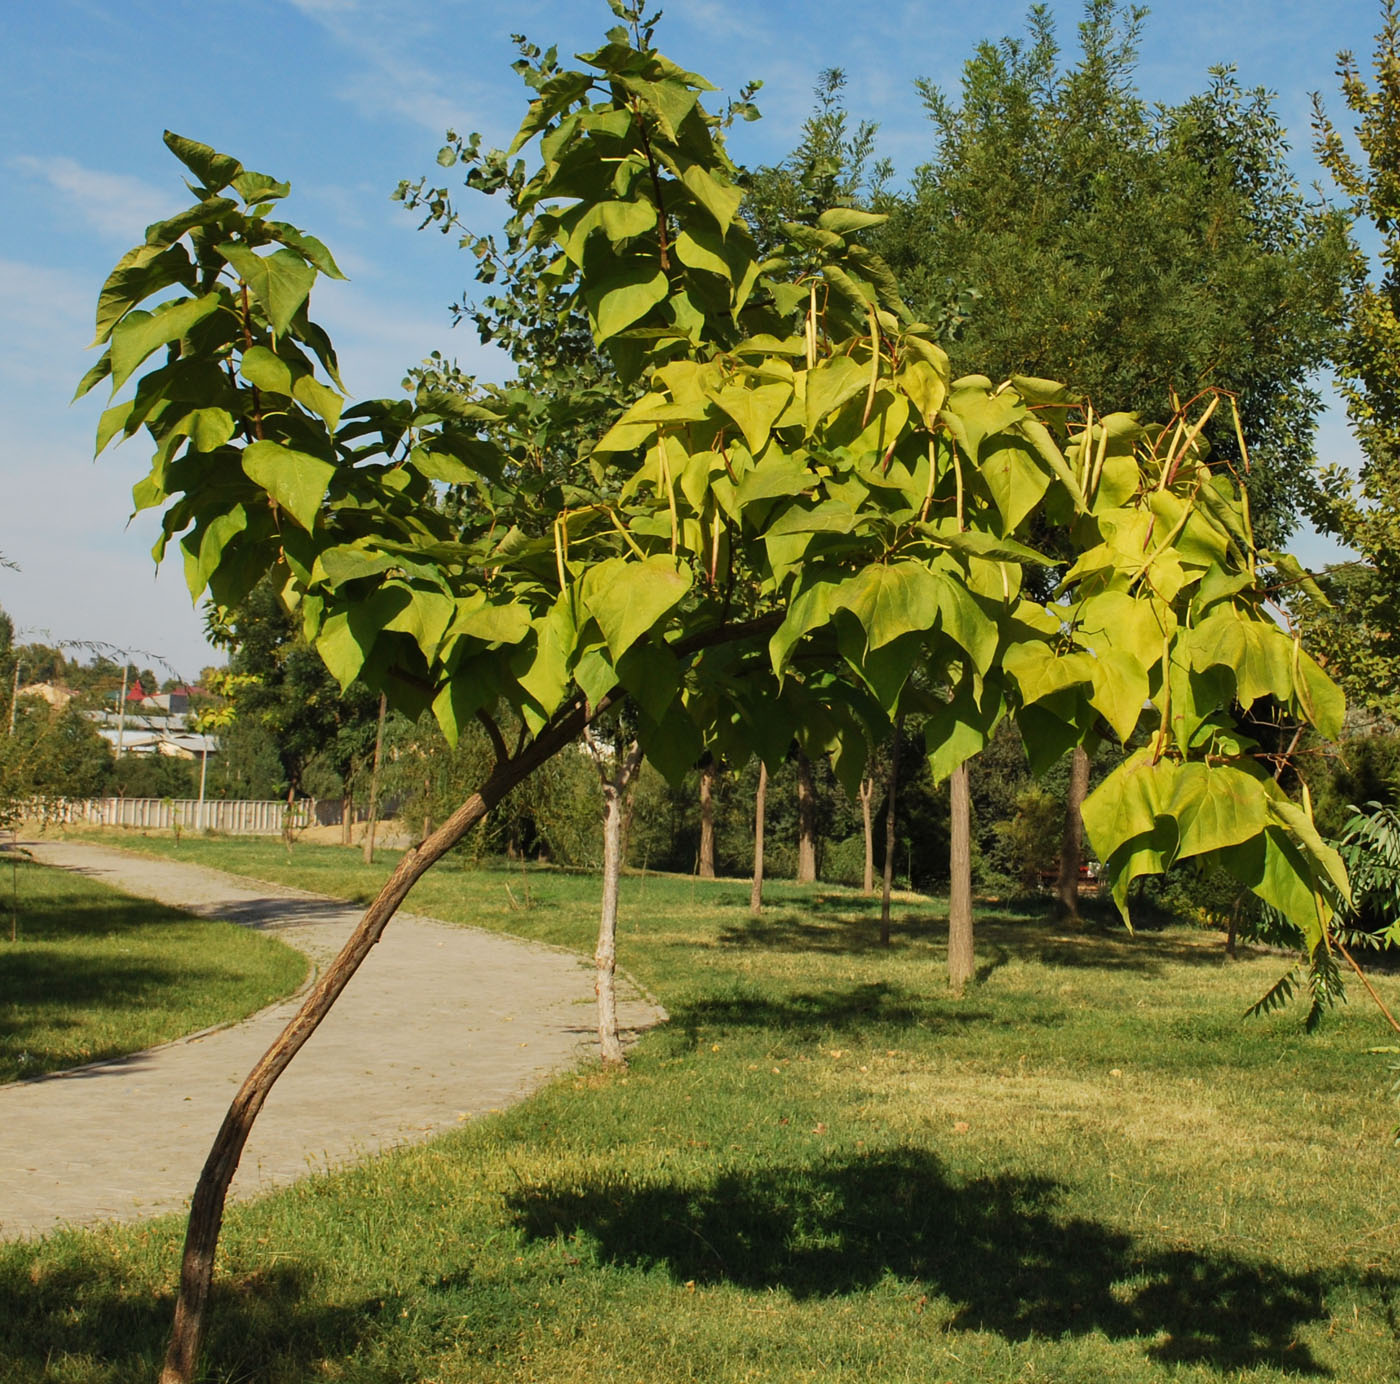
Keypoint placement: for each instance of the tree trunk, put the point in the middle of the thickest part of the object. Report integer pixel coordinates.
(210, 1193)
(616, 789)
(806, 822)
(709, 771)
(374, 782)
(759, 803)
(347, 814)
(867, 800)
(961, 961)
(1072, 842)
(889, 835)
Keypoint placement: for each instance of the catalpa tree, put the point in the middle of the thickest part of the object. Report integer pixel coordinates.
(798, 513)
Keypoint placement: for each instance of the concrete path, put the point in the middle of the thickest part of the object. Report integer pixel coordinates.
(440, 1023)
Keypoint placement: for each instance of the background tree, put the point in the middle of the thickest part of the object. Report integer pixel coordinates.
(1359, 632)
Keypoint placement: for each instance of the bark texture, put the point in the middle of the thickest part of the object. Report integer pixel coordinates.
(760, 802)
(373, 821)
(806, 822)
(1072, 842)
(207, 1206)
(888, 887)
(961, 960)
(709, 771)
(867, 817)
(618, 771)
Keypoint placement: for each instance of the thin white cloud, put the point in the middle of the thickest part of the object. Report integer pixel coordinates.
(113, 204)
(385, 37)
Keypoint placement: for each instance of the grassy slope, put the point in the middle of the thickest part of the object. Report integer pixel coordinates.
(95, 973)
(823, 1168)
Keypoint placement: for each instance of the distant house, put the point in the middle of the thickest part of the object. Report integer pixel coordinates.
(57, 697)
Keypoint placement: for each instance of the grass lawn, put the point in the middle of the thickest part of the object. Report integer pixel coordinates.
(94, 973)
(1090, 1168)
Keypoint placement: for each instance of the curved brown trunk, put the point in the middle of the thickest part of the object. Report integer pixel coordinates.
(1072, 842)
(207, 1206)
(961, 960)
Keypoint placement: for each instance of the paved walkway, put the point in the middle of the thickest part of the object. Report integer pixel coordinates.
(440, 1023)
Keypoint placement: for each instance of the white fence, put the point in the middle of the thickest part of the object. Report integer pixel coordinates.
(237, 818)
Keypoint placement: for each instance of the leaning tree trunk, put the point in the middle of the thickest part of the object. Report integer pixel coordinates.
(616, 790)
(806, 822)
(1072, 842)
(867, 816)
(960, 953)
(888, 888)
(210, 1193)
(709, 771)
(760, 802)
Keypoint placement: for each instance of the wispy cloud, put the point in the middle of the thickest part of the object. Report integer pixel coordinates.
(385, 37)
(113, 204)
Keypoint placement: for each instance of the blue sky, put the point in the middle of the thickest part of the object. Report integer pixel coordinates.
(344, 98)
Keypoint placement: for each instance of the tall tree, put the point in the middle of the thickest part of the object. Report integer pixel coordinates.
(780, 530)
(1361, 629)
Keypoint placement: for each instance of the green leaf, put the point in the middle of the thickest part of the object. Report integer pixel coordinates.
(779, 474)
(1322, 701)
(1215, 806)
(629, 598)
(830, 384)
(167, 232)
(652, 676)
(1119, 691)
(258, 187)
(961, 727)
(340, 649)
(844, 221)
(1015, 478)
(1128, 802)
(215, 171)
(624, 297)
(139, 273)
(491, 622)
(296, 480)
(754, 410)
(891, 600)
(719, 199)
(311, 248)
(267, 370)
(810, 610)
(321, 399)
(349, 562)
(281, 281)
(701, 248)
(964, 621)
(425, 615)
(140, 333)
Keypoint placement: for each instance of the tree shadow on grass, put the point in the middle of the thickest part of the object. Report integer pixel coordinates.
(858, 1008)
(86, 1316)
(851, 931)
(998, 1248)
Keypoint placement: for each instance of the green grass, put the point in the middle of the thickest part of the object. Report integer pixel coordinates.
(1090, 1168)
(95, 974)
